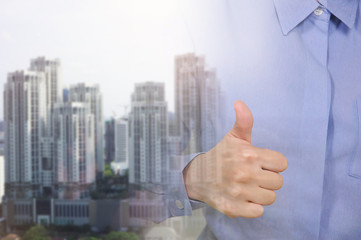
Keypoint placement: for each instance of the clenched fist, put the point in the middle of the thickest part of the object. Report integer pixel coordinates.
(244, 177)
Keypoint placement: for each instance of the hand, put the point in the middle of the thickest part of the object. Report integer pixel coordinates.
(235, 177)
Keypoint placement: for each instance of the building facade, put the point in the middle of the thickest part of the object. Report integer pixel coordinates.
(148, 132)
(25, 125)
(53, 86)
(121, 140)
(197, 100)
(197, 109)
(75, 150)
(91, 94)
(109, 138)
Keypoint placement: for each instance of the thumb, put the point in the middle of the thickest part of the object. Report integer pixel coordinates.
(242, 128)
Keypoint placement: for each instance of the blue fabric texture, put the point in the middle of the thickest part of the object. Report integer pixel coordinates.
(300, 74)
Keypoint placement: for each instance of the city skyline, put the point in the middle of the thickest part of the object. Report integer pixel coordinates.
(139, 47)
(56, 137)
(106, 50)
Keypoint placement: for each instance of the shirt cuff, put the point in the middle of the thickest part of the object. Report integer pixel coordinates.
(178, 200)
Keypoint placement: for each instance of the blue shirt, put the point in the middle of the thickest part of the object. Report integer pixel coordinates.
(297, 65)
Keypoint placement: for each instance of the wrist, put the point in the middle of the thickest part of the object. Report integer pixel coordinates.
(191, 182)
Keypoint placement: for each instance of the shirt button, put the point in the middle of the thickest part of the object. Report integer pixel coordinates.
(318, 11)
(179, 204)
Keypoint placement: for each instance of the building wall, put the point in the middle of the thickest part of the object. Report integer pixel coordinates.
(121, 140)
(29, 97)
(197, 98)
(196, 103)
(54, 211)
(91, 94)
(74, 139)
(113, 213)
(53, 86)
(25, 117)
(109, 141)
(66, 212)
(148, 132)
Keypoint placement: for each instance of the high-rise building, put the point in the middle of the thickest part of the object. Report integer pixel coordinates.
(148, 132)
(25, 125)
(91, 94)
(197, 99)
(74, 144)
(53, 85)
(121, 140)
(109, 140)
(196, 103)
(121, 163)
(53, 94)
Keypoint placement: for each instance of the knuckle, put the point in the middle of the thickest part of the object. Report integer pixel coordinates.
(249, 154)
(235, 192)
(243, 176)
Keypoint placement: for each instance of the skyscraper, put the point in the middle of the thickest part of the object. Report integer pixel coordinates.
(148, 131)
(109, 140)
(197, 99)
(196, 103)
(53, 85)
(25, 125)
(40, 160)
(91, 94)
(121, 140)
(74, 144)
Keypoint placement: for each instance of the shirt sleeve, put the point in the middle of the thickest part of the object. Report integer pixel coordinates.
(173, 199)
(179, 204)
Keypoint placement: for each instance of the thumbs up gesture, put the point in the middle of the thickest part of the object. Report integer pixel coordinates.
(244, 178)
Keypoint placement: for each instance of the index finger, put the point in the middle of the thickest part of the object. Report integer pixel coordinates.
(273, 161)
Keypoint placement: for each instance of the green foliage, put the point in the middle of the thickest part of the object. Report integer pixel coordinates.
(121, 236)
(36, 232)
(89, 238)
(108, 172)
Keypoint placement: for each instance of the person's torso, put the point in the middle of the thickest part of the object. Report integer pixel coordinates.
(304, 91)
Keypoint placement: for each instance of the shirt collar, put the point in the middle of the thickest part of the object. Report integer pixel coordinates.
(345, 10)
(292, 12)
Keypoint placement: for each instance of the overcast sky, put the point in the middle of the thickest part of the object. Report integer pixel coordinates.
(111, 42)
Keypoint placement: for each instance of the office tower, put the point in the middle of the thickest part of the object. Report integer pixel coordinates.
(109, 140)
(196, 103)
(91, 94)
(25, 118)
(121, 140)
(148, 131)
(74, 144)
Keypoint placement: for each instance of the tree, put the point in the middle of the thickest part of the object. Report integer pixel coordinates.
(108, 172)
(36, 232)
(121, 236)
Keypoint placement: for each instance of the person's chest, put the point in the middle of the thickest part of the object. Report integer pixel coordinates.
(303, 89)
